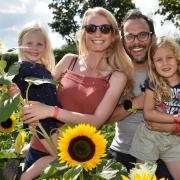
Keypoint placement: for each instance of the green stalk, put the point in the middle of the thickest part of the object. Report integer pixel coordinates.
(45, 135)
(48, 139)
(81, 177)
(27, 91)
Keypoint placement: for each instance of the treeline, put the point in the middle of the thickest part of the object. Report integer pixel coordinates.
(58, 53)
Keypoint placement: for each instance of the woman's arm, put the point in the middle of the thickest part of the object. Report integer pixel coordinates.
(36, 111)
(150, 112)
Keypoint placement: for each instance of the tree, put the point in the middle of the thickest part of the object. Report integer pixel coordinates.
(170, 9)
(68, 13)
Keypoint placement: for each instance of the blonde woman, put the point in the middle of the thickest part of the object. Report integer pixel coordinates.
(92, 81)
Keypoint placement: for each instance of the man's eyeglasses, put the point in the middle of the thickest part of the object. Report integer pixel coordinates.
(142, 36)
(104, 28)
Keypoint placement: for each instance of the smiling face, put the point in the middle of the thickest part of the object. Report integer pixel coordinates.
(97, 41)
(137, 50)
(35, 43)
(166, 63)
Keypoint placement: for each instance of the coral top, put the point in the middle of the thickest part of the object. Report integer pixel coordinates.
(80, 93)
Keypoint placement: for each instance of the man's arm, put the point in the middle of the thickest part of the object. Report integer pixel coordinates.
(120, 113)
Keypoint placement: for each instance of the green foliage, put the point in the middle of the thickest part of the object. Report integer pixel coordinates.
(109, 131)
(68, 13)
(10, 59)
(69, 48)
(170, 9)
(8, 104)
(178, 39)
(108, 169)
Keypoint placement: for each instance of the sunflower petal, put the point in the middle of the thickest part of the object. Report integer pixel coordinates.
(19, 143)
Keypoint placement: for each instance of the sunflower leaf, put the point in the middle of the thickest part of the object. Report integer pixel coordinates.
(38, 81)
(55, 169)
(13, 70)
(110, 169)
(8, 106)
(73, 173)
(3, 65)
(5, 80)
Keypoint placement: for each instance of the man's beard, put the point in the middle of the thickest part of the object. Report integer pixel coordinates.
(140, 60)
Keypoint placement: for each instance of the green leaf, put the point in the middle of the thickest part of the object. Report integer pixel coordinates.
(7, 155)
(5, 80)
(3, 65)
(8, 106)
(38, 81)
(73, 173)
(110, 170)
(55, 169)
(13, 70)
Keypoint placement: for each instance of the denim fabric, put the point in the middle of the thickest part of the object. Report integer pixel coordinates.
(32, 156)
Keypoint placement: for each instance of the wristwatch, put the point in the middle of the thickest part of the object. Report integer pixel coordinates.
(127, 104)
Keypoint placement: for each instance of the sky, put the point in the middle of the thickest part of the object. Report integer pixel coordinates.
(14, 14)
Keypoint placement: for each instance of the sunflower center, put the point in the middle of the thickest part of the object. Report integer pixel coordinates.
(81, 148)
(7, 124)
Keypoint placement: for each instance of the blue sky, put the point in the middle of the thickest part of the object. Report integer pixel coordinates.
(16, 13)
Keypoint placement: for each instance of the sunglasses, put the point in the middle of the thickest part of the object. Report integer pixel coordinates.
(104, 28)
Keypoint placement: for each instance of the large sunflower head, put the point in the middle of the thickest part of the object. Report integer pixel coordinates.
(82, 145)
(8, 125)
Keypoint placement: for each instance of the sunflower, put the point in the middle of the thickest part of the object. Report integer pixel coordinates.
(81, 145)
(8, 125)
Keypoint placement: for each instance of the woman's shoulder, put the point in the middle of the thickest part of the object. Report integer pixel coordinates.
(69, 56)
(119, 74)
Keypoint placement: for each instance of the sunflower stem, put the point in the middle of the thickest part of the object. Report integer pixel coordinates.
(27, 91)
(48, 139)
(81, 176)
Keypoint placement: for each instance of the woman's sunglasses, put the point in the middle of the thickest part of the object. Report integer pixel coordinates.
(104, 28)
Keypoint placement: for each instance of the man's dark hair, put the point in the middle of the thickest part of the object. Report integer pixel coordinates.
(136, 14)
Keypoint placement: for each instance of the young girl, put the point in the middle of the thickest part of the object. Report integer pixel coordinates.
(162, 103)
(37, 60)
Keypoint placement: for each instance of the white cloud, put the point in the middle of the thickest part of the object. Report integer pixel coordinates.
(14, 14)
(12, 7)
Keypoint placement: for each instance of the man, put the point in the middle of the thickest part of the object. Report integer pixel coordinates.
(137, 32)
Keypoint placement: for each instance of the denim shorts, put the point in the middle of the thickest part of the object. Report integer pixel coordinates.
(32, 156)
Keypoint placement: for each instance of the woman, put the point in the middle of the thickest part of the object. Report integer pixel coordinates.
(93, 81)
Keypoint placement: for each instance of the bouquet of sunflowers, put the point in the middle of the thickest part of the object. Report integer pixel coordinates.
(82, 156)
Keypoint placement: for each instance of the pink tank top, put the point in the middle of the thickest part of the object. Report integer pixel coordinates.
(79, 94)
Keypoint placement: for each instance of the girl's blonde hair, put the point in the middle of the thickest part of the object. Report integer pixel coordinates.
(47, 59)
(116, 56)
(161, 87)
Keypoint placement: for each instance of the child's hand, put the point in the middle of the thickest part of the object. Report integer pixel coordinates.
(13, 89)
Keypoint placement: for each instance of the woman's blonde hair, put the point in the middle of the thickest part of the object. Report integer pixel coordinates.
(161, 87)
(48, 59)
(116, 56)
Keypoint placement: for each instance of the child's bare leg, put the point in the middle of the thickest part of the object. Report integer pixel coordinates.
(174, 169)
(36, 169)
